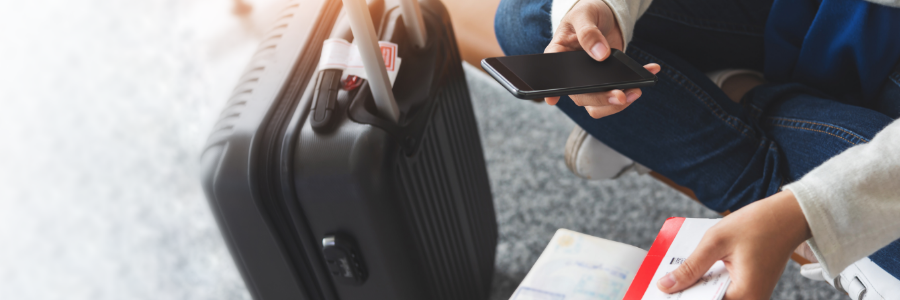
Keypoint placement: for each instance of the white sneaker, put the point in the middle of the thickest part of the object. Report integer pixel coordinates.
(736, 90)
(719, 77)
(589, 158)
(863, 280)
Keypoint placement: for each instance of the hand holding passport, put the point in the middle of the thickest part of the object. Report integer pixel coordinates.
(580, 266)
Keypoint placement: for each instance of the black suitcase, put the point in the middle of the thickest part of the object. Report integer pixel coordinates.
(355, 205)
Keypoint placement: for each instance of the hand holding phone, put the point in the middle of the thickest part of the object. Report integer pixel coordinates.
(591, 26)
(566, 73)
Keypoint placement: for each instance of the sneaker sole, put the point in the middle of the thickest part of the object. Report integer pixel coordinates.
(573, 144)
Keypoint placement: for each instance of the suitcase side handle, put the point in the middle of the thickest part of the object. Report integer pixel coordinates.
(367, 41)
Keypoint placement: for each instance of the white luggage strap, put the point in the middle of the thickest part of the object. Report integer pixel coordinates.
(367, 41)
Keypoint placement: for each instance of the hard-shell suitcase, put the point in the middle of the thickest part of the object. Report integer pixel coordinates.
(321, 195)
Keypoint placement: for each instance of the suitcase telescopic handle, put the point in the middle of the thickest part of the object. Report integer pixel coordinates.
(367, 41)
(414, 22)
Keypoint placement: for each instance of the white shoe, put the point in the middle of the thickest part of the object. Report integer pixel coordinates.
(863, 280)
(737, 89)
(719, 77)
(589, 158)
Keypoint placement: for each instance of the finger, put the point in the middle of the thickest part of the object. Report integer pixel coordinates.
(551, 100)
(613, 97)
(555, 47)
(653, 68)
(597, 112)
(564, 39)
(632, 94)
(590, 37)
(694, 267)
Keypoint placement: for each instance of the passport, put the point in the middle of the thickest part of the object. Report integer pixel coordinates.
(577, 266)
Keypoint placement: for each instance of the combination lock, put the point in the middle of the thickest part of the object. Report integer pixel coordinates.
(343, 259)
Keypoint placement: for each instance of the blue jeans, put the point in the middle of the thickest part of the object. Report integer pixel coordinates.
(685, 128)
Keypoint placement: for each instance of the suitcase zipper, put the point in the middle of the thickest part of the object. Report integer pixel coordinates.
(274, 182)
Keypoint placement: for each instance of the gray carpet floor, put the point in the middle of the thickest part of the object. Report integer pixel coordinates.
(105, 107)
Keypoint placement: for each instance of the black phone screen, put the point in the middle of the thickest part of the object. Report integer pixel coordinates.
(567, 70)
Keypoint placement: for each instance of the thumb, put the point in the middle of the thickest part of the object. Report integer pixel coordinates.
(591, 39)
(694, 267)
(551, 100)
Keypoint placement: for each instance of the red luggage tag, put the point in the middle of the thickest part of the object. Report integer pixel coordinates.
(388, 53)
(342, 55)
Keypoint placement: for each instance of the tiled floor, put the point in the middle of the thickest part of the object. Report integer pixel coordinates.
(106, 104)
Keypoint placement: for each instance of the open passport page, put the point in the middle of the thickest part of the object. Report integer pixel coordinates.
(576, 266)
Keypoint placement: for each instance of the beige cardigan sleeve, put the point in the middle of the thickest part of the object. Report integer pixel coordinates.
(852, 201)
(627, 13)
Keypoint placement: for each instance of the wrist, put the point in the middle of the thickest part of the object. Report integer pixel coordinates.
(790, 217)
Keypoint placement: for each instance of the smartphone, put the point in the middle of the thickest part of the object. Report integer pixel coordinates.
(566, 73)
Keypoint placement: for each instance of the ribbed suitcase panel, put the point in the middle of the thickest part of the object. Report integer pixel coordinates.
(249, 80)
(478, 196)
(449, 200)
(481, 200)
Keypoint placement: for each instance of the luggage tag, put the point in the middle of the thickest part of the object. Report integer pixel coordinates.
(342, 55)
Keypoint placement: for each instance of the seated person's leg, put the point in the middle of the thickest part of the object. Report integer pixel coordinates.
(808, 126)
(887, 259)
(523, 26)
(688, 130)
(886, 102)
(685, 127)
(810, 129)
(729, 154)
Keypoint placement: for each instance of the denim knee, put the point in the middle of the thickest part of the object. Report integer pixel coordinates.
(523, 26)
